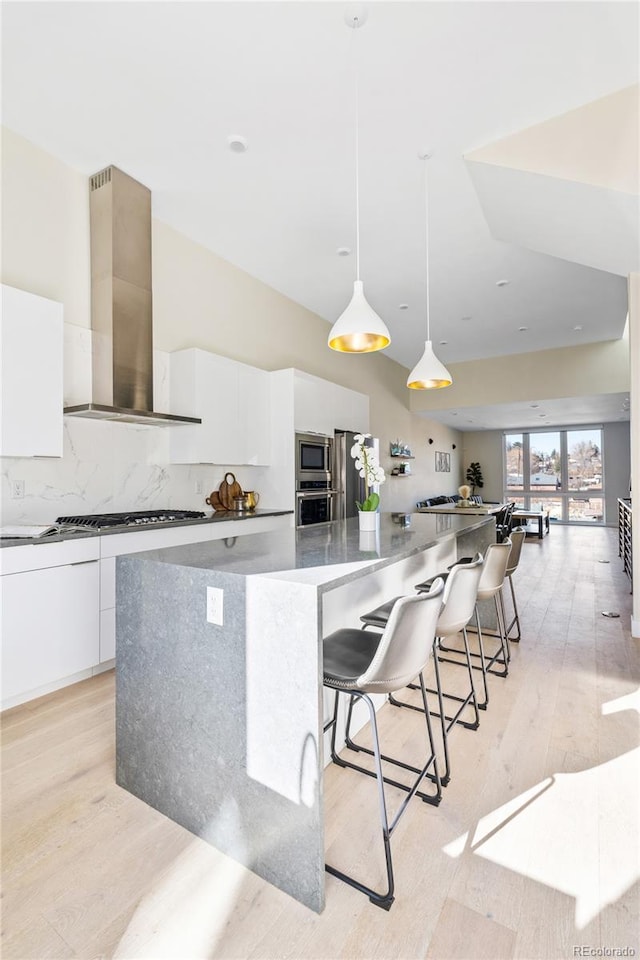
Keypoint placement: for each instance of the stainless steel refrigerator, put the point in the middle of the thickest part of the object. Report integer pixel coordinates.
(346, 480)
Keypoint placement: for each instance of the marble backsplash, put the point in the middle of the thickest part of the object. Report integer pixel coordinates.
(108, 467)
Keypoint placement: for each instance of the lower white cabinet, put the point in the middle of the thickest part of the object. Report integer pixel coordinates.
(57, 601)
(50, 619)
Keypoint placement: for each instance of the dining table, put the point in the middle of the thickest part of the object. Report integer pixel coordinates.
(476, 509)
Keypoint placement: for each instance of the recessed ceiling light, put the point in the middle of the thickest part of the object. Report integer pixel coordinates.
(534, 405)
(522, 329)
(237, 144)
(465, 318)
(443, 343)
(578, 326)
(502, 283)
(403, 306)
(543, 414)
(453, 413)
(343, 251)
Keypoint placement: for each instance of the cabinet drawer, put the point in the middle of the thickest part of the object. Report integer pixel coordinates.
(38, 556)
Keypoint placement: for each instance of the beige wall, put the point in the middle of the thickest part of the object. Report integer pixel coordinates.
(634, 352)
(595, 144)
(542, 375)
(201, 300)
(485, 448)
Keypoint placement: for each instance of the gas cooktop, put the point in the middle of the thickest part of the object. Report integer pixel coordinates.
(135, 518)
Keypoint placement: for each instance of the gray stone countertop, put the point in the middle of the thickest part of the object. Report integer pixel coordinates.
(76, 533)
(325, 555)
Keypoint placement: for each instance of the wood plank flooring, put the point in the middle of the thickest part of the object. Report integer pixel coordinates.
(532, 853)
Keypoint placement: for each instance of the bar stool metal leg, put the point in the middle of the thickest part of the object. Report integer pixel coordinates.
(424, 771)
(385, 899)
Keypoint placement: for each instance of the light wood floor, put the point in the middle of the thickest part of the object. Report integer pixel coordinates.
(532, 852)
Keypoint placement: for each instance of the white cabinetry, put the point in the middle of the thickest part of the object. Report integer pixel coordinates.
(231, 398)
(31, 395)
(321, 406)
(50, 622)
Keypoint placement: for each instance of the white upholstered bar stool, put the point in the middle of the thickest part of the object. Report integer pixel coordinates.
(517, 537)
(359, 663)
(459, 603)
(496, 559)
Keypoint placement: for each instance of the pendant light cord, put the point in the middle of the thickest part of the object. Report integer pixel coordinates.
(426, 244)
(357, 91)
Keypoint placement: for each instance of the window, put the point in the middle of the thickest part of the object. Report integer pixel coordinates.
(561, 470)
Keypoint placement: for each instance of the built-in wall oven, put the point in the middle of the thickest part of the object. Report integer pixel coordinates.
(315, 496)
(314, 504)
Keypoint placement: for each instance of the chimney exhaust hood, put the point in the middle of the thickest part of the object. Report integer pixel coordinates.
(121, 304)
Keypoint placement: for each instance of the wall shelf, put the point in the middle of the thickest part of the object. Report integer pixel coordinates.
(400, 456)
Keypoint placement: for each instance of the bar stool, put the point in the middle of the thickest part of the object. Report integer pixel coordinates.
(361, 662)
(496, 559)
(459, 603)
(518, 536)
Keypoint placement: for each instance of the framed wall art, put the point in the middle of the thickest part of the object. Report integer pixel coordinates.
(443, 462)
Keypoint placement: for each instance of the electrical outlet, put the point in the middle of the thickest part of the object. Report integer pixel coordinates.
(214, 605)
(17, 489)
(198, 486)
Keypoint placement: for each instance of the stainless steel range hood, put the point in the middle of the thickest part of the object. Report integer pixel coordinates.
(121, 304)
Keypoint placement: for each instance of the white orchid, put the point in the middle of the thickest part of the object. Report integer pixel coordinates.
(367, 465)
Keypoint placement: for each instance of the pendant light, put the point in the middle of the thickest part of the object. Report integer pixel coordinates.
(358, 329)
(428, 373)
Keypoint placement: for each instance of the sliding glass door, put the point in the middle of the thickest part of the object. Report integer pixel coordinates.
(560, 470)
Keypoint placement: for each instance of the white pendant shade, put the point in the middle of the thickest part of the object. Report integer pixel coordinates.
(359, 329)
(429, 373)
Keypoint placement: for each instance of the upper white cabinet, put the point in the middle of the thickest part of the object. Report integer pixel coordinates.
(31, 393)
(233, 401)
(321, 406)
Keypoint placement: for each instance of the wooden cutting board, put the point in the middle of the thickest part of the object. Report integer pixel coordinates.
(214, 501)
(229, 488)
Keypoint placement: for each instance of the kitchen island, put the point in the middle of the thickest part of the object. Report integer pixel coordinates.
(219, 697)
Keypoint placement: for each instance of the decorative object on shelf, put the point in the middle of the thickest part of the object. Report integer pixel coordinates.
(474, 476)
(253, 499)
(465, 493)
(429, 373)
(367, 465)
(358, 329)
(443, 462)
(399, 449)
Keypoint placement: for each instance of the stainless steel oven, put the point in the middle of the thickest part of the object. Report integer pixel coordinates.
(314, 506)
(314, 458)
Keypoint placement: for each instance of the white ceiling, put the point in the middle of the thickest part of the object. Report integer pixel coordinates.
(157, 87)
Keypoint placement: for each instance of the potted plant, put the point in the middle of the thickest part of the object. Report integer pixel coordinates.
(474, 476)
(367, 465)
